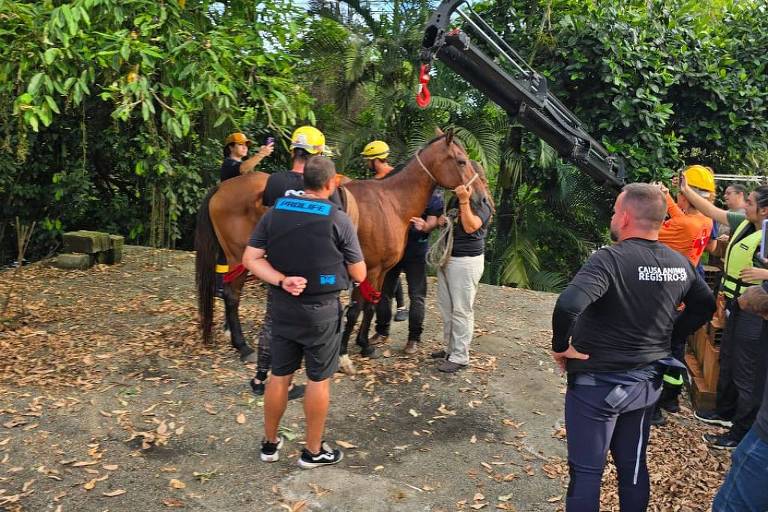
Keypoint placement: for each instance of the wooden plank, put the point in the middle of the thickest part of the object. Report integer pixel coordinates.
(703, 398)
(711, 365)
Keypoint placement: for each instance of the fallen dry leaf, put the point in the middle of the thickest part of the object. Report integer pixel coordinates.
(177, 484)
(345, 444)
(413, 413)
(473, 439)
(173, 503)
(240, 419)
(112, 494)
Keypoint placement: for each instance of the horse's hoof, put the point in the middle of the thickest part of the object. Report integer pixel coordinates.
(370, 352)
(346, 366)
(252, 357)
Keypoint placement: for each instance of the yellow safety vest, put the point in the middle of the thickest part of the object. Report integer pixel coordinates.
(739, 256)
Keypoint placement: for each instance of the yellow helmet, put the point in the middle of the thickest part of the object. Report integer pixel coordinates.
(376, 149)
(700, 177)
(308, 138)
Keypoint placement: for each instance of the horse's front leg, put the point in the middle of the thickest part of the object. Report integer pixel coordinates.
(366, 350)
(232, 293)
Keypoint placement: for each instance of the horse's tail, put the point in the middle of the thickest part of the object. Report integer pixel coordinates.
(207, 252)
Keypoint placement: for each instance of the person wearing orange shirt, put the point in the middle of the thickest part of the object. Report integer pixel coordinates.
(688, 232)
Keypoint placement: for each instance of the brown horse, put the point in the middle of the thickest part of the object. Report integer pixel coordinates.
(230, 212)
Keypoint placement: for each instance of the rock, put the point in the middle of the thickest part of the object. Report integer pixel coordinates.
(88, 242)
(74, 261)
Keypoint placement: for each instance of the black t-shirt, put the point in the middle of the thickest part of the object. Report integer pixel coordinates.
(471, 244)
(418, 241)
(283, 183)
(230, 168)
(631, 293)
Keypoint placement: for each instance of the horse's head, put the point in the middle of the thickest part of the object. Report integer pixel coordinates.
(446, 162)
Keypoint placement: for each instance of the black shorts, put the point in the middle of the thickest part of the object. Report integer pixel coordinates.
(317, 343)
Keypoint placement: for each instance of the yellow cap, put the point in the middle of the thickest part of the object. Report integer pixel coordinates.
(308, 138)
(700, 177)
(237, 138)
(376, 149)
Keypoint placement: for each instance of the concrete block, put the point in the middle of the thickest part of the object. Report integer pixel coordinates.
(116, 242)
(88, 242)
(74, 261)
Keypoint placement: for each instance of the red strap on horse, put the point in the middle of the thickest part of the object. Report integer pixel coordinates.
(235, 273)
(423, 96)
(369, 293)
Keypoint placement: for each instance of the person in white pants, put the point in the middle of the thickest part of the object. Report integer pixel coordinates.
(458, 279)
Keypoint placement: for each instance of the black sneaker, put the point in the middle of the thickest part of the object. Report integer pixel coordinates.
(297, 391)
(326, 457)
(722, 442)
(712, 418)
(270, 451)
(401, 314)
(257, 387)
(658, 419)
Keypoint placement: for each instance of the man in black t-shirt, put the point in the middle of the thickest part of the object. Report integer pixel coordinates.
(305, 307)
(611, 331)
(306, 142)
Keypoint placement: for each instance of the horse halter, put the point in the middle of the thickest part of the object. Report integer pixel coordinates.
(424, 168)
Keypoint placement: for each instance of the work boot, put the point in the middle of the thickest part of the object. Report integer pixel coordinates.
(378, 339)
(401, 314)
(671, 405)
(410, 347)
(658, 419)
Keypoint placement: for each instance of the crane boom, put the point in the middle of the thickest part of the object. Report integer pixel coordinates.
(518, 89)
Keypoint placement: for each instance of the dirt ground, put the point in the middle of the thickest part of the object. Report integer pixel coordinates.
(109, 402)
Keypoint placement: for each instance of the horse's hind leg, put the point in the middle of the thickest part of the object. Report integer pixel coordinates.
(352, 314)
(232, 293)
(362, 334)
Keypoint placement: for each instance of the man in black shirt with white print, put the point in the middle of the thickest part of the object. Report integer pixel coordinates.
(611, 332)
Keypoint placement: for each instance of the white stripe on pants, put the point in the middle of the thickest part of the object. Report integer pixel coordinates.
(456, 289)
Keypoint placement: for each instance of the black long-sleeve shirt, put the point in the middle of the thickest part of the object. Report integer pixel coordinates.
(622, 308)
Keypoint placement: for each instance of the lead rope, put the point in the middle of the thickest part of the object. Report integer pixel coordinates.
(440, 251)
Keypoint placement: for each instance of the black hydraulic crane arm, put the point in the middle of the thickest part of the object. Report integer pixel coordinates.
(518, 89)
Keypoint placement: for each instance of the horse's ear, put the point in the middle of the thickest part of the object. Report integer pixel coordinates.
(449, 136)
(438, 132)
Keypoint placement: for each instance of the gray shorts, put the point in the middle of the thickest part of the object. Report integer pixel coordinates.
(318, 344)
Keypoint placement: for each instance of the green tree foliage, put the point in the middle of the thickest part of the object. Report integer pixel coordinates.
(661, 83)
(108, 107)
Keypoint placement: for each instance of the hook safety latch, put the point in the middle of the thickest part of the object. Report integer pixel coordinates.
(423, 96)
